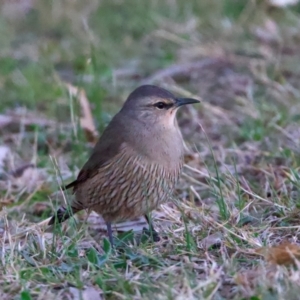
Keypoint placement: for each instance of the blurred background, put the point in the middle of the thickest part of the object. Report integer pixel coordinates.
(109, 47)
(223, 50)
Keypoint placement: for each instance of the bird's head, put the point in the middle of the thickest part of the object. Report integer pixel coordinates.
(154, 104)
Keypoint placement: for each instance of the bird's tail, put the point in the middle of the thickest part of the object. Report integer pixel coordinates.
(61, 215)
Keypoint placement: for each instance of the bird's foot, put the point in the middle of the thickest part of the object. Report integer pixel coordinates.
(151, 233)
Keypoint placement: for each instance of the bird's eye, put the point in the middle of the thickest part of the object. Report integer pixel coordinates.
(160, 105)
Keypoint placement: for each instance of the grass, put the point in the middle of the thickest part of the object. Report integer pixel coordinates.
(240, 187)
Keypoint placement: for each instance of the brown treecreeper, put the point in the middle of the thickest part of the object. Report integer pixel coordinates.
(136, 163)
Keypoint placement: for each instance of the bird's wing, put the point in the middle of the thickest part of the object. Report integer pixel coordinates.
(108, 147)
(97, 160)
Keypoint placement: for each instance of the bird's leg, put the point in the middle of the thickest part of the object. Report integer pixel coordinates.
(153, 233)
(109, 233)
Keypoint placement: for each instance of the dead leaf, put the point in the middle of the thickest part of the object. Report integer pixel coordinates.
(20, 171)
(86, 120)
(191, 157)
(12, 120)
(249, 279)
(89, 293)
(5, 202)
(39, 208)
(283, 254)
(214, 239)
(268, 33)
(29, 178)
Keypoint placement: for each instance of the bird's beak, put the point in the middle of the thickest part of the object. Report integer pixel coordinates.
(184, 101)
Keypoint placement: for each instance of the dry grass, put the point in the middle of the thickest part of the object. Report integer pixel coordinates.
(231, 231)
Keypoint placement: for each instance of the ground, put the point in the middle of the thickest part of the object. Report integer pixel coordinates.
(231, 231)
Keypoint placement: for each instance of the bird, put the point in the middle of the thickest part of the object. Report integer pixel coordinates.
(136, 163)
